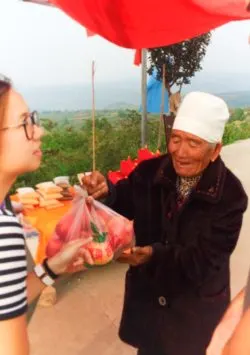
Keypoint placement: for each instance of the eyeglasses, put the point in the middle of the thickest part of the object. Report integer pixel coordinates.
(30, 120)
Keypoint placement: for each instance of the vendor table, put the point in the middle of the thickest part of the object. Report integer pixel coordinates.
(44, 221)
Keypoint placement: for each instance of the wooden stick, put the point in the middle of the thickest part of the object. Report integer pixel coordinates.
(162, 106)
(93, 119)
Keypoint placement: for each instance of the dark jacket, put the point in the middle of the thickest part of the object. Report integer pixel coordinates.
(174, 302)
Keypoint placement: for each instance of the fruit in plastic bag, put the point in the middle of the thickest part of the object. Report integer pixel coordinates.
(54, 246)
(120, 232)
(110, 231)
(116, 227)
(103, 215)
(62, 227)
(100, 248)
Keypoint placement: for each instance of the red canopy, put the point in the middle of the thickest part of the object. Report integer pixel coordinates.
(147, 23)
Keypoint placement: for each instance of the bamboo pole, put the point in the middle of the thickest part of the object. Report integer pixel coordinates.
(93, 119)
(162, 106)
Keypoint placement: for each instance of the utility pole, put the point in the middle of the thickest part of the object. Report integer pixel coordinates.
(162, 105)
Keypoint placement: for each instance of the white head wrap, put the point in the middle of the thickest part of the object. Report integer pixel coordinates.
(203, 115)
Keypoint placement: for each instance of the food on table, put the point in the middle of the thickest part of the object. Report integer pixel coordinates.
(50, 196)
(28, 197)
(48, 187)
(63, 182)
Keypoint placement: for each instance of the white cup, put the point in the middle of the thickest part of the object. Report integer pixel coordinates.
(61, 180)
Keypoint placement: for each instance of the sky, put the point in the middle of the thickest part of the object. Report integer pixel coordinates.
(42, 46)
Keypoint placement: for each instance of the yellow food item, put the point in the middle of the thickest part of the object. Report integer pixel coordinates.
(50, 190)
(48, 187)
(28, 195)
(50, 196)
(28, 201)
(45, 203)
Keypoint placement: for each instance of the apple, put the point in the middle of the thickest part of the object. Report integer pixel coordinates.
(54, 246)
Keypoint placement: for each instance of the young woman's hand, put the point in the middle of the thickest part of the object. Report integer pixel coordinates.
(71, 258)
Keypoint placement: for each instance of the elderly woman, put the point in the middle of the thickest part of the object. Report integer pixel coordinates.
(187, 209)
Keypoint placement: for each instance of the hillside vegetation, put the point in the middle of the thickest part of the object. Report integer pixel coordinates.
(67, 144)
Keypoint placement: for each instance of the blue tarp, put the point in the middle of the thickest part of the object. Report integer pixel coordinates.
(154, 95)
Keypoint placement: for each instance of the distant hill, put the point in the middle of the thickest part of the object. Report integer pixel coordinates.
(234, 88)
(237, 99)
(78, 97)
(121, 106)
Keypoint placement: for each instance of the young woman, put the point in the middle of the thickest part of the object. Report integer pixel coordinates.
(20, 152)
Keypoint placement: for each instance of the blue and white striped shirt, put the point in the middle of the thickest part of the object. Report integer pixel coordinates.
(13, 267)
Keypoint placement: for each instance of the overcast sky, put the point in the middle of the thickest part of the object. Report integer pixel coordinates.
(42, 46)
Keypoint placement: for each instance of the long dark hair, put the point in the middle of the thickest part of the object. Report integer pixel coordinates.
(5, 86)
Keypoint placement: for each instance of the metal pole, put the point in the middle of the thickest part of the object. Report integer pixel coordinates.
(162, 105)
(40, 2)
(144, 98)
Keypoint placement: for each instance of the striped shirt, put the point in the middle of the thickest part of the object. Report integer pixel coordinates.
(13, 267)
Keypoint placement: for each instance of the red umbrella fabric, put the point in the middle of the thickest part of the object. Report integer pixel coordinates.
(147, 24)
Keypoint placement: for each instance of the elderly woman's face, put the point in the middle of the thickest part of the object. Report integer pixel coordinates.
(191, 154)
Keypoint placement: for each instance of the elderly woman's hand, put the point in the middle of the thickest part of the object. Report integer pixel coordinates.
(96, 185)
(136, 256)
(71, 258)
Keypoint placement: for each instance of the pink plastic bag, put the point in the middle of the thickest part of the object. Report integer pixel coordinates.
(111, 232)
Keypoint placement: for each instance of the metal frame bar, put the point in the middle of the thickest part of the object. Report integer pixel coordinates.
(39, 2)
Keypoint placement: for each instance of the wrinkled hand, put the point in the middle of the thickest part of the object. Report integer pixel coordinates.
(71, 258)
(96, 185)
(136, 256)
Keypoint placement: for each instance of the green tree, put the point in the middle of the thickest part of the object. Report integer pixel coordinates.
(238, 115)
(48, 124)
(182, 60)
